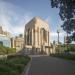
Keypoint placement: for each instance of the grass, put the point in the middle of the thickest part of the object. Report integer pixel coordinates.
(13, 65)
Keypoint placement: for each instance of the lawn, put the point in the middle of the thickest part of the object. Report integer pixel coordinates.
(13, 65)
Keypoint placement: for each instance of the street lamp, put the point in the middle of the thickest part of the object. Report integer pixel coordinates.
(58, 35)
(58, 31)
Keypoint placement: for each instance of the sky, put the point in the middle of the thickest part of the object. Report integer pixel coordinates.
(14, 14)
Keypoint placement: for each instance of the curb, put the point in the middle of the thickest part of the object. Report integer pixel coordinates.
(26, 69)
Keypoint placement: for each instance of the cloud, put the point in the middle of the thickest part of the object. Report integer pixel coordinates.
(13, 18)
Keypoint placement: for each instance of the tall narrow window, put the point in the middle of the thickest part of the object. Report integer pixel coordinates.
(38, 35)
(44, 35)
(28, 37)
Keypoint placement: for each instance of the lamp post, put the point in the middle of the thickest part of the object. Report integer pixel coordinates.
(58, 32)
(58, 35)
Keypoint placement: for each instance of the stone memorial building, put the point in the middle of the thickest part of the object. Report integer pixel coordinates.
(36, 37)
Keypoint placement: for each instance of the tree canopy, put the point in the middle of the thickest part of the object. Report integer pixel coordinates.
(67, 14)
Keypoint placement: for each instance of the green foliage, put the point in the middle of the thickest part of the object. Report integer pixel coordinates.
(67, 14)
(2, 49)
(6, 50)
(71, 47)
(63, 48)
(65, 51)
(66, 7)
(14, 65)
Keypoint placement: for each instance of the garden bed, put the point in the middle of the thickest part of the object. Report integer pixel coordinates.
(13, 65)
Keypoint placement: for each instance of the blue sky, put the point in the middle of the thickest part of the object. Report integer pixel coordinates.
(14, 14)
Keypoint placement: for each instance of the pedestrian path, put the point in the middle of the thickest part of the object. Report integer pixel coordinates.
(46, 65)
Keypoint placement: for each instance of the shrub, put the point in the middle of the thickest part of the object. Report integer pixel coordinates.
(6, 50)
(14, 65)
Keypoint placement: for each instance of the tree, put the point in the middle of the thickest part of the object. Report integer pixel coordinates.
(20, 35)
(67, 14)
(68, 39)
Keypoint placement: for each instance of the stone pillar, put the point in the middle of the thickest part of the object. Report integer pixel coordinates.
(42, 41)
(32, 37)
(29, 36)
(38, 36)
(26, 37)
(42, 37)
(48, 38)
(35, 40)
